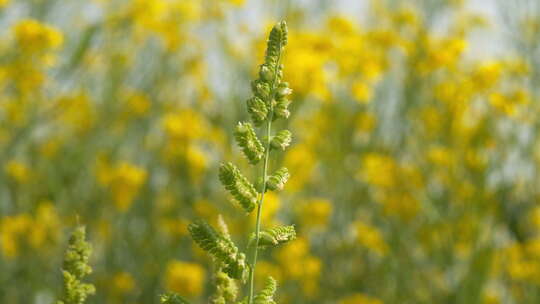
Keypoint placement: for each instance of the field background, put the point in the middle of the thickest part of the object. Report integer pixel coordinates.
(414, 165)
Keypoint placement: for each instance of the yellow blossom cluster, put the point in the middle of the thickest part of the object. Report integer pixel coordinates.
(22, 232)
(185, 278)
(123, 180)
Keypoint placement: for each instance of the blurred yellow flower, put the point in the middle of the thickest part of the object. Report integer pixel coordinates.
(11, 229)
(18, 171)
(406, 17)
(147, 13)
(137, 104)
(203, 208)
(297, 264)
(370, 237)
(361, 92)
(306, 56)
(310, 279)
(33, 36)
(123, 180)
(237, 2)
(442, 52)
(164, 18)
(197, 162)
(441, 156)
(360, 299)
(184, 124)
(77, 112)
(508, 103)
(365, 122)
(340, 24)
(491, 298)
(46, 225)
(523, 261)
(266, 269)
(272, 203)
(24, 230)
(301, 160)
(378, 170)
(123, 282)
(185, 278)
(487, 74)
(175, 227)
(314, 212)
(534, 217)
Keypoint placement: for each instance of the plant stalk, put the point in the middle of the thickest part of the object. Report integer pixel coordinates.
(259, 208)
(263, 186)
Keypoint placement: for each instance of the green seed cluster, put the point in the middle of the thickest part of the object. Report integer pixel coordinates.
(270, 94)
(76, 268)
(277, 180)
(266, 295)
(281, 140)
(275, 236)
(268, 103)
(238, 186)
(226, 289)
(221, 248)
(247, 140)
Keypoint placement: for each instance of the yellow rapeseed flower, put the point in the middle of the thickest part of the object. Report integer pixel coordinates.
(379, 170)
(123, 181)
(272, 203)
(439, 155)
(301, 160)
(508, 103)
(315, 212)
(18, 171)
(24, 230)
(123, 282)
(33, 36)
(237, 2)
(77, 112)
(4, 3)
(45, 227)
(487, 74)
(360, 298)
(184, 124)
(266, 269)
(370, 237)
(361, 91)
(12, 230)
(185, 278)
(137, 104)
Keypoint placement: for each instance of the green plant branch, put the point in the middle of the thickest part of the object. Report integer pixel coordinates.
(259, 208)
(265, 177)
(269, 102)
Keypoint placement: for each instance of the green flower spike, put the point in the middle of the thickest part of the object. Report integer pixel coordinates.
(281, 140)
(275, 236)
(266, 295)
(247, 140)
(278, 179)
(76, 268)
(238, 186)
(221, 248)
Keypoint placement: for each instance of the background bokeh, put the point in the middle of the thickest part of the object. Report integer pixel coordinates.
(415, 160)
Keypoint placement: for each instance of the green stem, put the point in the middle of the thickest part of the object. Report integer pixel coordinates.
(264, 175)
(259, 208)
